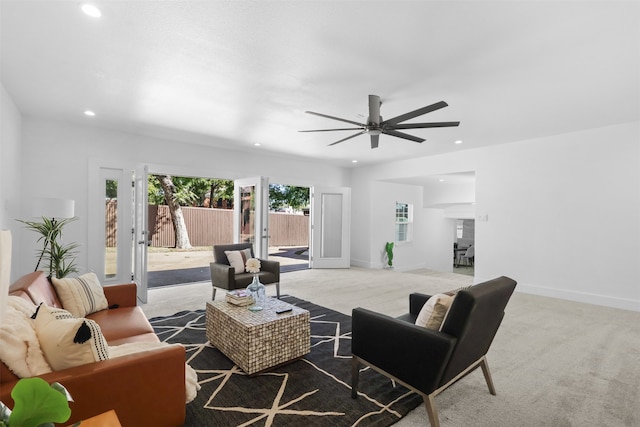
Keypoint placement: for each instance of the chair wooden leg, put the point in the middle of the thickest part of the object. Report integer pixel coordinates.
(487, 376)
(355, 374)
(432, 411)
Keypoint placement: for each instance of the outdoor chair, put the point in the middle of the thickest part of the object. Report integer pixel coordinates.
(427, 361)
(224, 276)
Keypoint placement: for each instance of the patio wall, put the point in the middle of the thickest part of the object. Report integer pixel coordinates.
(207, 227)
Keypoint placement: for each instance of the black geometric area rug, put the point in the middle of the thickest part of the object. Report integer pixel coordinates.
(312, 391)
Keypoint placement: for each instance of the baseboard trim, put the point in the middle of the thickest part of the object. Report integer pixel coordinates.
(584, 297)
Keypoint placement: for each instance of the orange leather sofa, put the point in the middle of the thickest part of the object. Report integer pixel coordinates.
(145, 389)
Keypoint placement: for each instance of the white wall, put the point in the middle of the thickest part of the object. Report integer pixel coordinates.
(10, 175)
(572, 200)
(56, 158)
(380, 227)
(361, 214)
(439, 235)
(449, 192)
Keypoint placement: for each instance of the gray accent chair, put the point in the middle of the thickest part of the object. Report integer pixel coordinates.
(425, 360)
(224, 276)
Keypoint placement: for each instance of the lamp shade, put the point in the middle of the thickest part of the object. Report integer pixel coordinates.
(53, 208)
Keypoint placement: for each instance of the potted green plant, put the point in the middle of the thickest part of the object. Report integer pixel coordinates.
(36, 404)
(388, 248)
(61, 256)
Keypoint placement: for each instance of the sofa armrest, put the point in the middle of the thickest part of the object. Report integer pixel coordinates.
(124, 295)
(413, 354)
(222, 275)
(146, 388)
(416, 302)
(272, 267)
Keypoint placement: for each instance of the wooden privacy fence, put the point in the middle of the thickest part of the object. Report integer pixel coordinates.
(208, 227)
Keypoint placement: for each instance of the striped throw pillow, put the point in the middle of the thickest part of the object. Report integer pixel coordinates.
(81, 295)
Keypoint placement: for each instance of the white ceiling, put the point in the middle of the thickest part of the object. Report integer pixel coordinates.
(233, 73)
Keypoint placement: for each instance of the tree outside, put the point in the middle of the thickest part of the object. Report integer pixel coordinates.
(286, 196)
(177, 191)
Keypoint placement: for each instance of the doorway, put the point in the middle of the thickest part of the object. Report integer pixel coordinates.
(153, 246)
(211, 220)
(289, 226)
(463, 247)
(180, 242)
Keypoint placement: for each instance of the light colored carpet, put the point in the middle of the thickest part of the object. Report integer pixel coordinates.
(554, 362)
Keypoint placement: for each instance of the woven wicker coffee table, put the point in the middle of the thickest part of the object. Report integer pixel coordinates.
(258, 340)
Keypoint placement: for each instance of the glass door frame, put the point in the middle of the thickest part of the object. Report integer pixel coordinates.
(251, 208)
(330, 233)
(99, 173)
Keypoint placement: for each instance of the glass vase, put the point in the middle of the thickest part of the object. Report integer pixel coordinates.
(257, 292)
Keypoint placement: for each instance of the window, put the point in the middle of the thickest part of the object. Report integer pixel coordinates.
(404, 218)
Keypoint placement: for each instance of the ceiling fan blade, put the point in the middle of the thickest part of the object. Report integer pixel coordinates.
(374, 109)
(424, 125)
(349, 137)
(416, 113)
(403, 135)
(336, 118)
(328, 130)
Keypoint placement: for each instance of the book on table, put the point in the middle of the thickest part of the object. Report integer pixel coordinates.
(239, 297)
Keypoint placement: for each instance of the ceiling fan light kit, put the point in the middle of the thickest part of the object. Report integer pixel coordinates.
(376, 125)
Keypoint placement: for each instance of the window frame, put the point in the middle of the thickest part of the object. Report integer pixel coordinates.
(403, 216)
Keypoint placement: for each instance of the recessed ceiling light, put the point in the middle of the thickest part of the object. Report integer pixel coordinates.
(441, 180)
(257, 144)
(458, 142)
(91, 10)
(354, 161)
(89, 113)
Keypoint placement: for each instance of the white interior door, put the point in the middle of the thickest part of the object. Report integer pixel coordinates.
(330, 244)
(109, 222)
(251, 214)
(141, 230)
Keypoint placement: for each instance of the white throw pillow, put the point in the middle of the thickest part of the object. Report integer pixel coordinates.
(67, 341)
(433, 312)
(81, 295)
(238, 259)
(19, 346)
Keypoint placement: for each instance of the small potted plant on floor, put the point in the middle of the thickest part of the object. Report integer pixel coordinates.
(388, 248)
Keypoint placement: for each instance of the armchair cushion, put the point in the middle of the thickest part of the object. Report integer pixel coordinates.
(238, 259)
(67, 341)
(81, 295)
(416, 355)
(433, 312)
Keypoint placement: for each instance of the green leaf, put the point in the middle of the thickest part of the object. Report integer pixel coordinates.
(37, 403)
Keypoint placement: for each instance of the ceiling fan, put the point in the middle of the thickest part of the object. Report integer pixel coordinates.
(375, 125)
